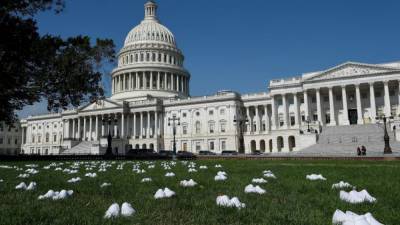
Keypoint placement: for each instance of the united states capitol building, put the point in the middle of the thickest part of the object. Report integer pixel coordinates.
(150, 87)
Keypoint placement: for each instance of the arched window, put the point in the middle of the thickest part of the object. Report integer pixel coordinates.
(47, 137)
(136, 57)
(197, 127)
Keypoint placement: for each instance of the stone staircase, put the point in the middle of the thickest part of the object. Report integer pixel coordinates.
(344, 140)
(83, 148)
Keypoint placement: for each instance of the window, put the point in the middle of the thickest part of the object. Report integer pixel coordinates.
(338, 98)
(313, 100)
(292, 121)
(16, 141)
(197, 113)
(223, 145)
(55, 138)
(211, 127)
(33, 139)
(223, 127)
(364, 95)
(391, 93)
(47, 137)
(184, 129)
(211, 112)
(9, 141)
(198, 146)
(183, 115)
(197, 127)
(222, 111)
(315, 117)
(39, 138)
(301, 100)
(1, 127)
(211, 145)
(327, 118)
(377, 94)
(1, 140)
(303, 118)
(326, 98)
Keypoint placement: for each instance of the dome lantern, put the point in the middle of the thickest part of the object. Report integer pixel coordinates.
(150, 10)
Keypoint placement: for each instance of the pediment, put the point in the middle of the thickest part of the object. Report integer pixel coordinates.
(350, 70)
(100, 104)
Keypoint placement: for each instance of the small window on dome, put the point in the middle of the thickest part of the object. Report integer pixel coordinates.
(131, 59)
(141, 57)
(159, 57)
(154, 57)
(136, 57)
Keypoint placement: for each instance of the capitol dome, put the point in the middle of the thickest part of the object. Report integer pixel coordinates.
(150, 63)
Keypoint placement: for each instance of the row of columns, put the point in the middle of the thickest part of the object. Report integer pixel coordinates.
(150, 80)
(135, 125)
(255, 116)
(333, 122)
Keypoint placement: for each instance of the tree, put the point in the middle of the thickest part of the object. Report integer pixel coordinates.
(65, 72)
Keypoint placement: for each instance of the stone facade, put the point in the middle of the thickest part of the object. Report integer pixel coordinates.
(150, 86)
(10, 139)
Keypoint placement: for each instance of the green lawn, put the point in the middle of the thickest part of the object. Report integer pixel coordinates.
(290, 199)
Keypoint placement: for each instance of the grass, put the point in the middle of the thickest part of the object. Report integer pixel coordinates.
(290, 199)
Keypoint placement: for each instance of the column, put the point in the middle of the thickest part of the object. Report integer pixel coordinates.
(172, 82)
(331, 107)
(84, 128)
(134, 125)
(306, 109)
(360, 119)
(73, 129)
(345, 108)
(144, 80)
(23, 136)
(274, 113)
(90, 128)
(165, 81)
(141, 126)
(97, 128)
(137, 80)
(387, 98)
(79, 128)
(177, 83)
(319, 111)
(158, 80)
(156, 133)
(372, 111)
(296, 110)
(285, 111)
(257, 118)
(151, 80)
(148, 125)
(266, 118)
(102, 125)
(250, 125)
(122, 125)
(398, 98)
(116, 125)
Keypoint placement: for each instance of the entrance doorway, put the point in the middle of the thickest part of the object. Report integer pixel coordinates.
(353, 116)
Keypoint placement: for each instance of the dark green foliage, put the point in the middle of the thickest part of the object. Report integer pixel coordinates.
(33, 67)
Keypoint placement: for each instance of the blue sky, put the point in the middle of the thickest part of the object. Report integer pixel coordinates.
(240, 45)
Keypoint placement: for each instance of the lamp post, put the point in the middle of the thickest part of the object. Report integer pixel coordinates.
(175, 122)
(386, 138)
(109, 138)
(241, 122)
